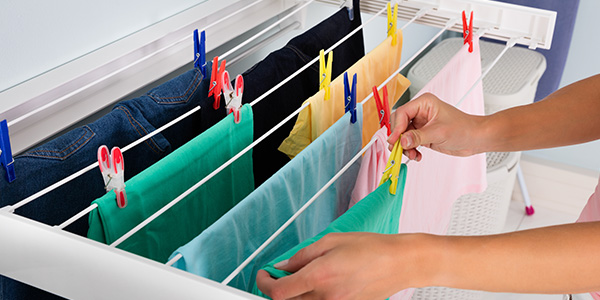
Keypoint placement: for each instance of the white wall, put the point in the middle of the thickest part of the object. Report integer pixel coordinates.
(36, 36)
(583, 61)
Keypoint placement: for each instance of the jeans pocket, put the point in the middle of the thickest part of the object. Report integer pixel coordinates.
(64, 146)
(136, 126)
(177, 90)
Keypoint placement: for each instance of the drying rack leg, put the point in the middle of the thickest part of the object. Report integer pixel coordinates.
(528, 207)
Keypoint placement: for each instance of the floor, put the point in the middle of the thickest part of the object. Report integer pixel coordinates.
(558, 194)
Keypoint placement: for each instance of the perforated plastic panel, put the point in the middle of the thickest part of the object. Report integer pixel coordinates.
(518, 67)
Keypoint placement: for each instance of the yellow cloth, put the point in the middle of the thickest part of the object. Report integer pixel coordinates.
(373, 69)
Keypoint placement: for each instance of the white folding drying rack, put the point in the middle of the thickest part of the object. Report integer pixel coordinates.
(77, 268)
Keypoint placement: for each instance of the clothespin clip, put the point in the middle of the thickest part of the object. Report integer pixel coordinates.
(200, 52)
(6, 158)
(215, 81)
(233, 98)
(113, 172)
(325, 71)
(383, 108)
(392, 169)
(350, 7)
(392, 19)
(468, 30)
(350, 97)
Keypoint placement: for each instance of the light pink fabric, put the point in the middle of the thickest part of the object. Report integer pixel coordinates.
(372, 167)
(434, 183)
(591, 213)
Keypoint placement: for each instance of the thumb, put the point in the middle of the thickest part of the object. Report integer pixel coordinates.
(415, 138)
(301, 258)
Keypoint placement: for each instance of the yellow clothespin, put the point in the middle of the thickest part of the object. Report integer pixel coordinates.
(392, 169)
(392, 22)
(325, 72)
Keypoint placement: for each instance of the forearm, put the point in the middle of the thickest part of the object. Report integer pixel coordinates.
(558, 259)
(569, 116)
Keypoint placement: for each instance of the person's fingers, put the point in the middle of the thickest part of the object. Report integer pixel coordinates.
(265, 282)
(289, 287)
(401, 119)
(305, 256)
(413, 154)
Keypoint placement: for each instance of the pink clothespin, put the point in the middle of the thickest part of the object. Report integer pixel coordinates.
(233, 98)
(113, 172)
(468, 30)
(383, 108)
(215, 82)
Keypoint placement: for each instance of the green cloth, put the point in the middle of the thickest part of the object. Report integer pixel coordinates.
(164, 181)
(379, 212)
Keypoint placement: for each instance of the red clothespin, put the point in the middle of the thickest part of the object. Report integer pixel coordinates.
(215, 81)
(468, 30)
(350, 96)
(383, 108)
(233, 98)
(6, 158)
(113, 172)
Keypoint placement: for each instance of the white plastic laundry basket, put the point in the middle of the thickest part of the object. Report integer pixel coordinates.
(513, 81)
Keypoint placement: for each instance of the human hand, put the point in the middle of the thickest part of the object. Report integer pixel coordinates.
(354, 265)
(428, 121)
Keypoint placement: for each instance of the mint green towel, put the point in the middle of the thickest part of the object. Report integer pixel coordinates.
(164, 181)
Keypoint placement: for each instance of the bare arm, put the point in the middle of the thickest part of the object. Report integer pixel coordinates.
(557, 259)
(568, 116)
(553, 260)
(571, 115)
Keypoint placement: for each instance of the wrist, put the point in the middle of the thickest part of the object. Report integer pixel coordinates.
(484, 134)
(425, 259)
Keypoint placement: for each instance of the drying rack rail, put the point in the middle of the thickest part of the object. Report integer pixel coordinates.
(531, 27)
(77, 268)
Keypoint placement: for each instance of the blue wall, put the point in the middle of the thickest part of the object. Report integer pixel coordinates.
(583, 61)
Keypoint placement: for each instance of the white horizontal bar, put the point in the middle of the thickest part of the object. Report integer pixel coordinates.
(77, 268)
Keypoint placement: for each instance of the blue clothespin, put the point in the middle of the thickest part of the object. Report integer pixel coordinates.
(6, 158)
(350, 7)
(200, 52)
(350, 97)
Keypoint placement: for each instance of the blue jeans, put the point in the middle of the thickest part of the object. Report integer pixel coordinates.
(128, 121)
(279, 65)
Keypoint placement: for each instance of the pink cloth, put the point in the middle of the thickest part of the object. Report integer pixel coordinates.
(372, 167)
(434, 183)
(591, 213)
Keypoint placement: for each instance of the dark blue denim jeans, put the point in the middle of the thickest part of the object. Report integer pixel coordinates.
(279, 65)
(128, 121)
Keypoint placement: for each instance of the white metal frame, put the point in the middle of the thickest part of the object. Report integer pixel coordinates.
(77, 268)
(73, 91)
(531, 27)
